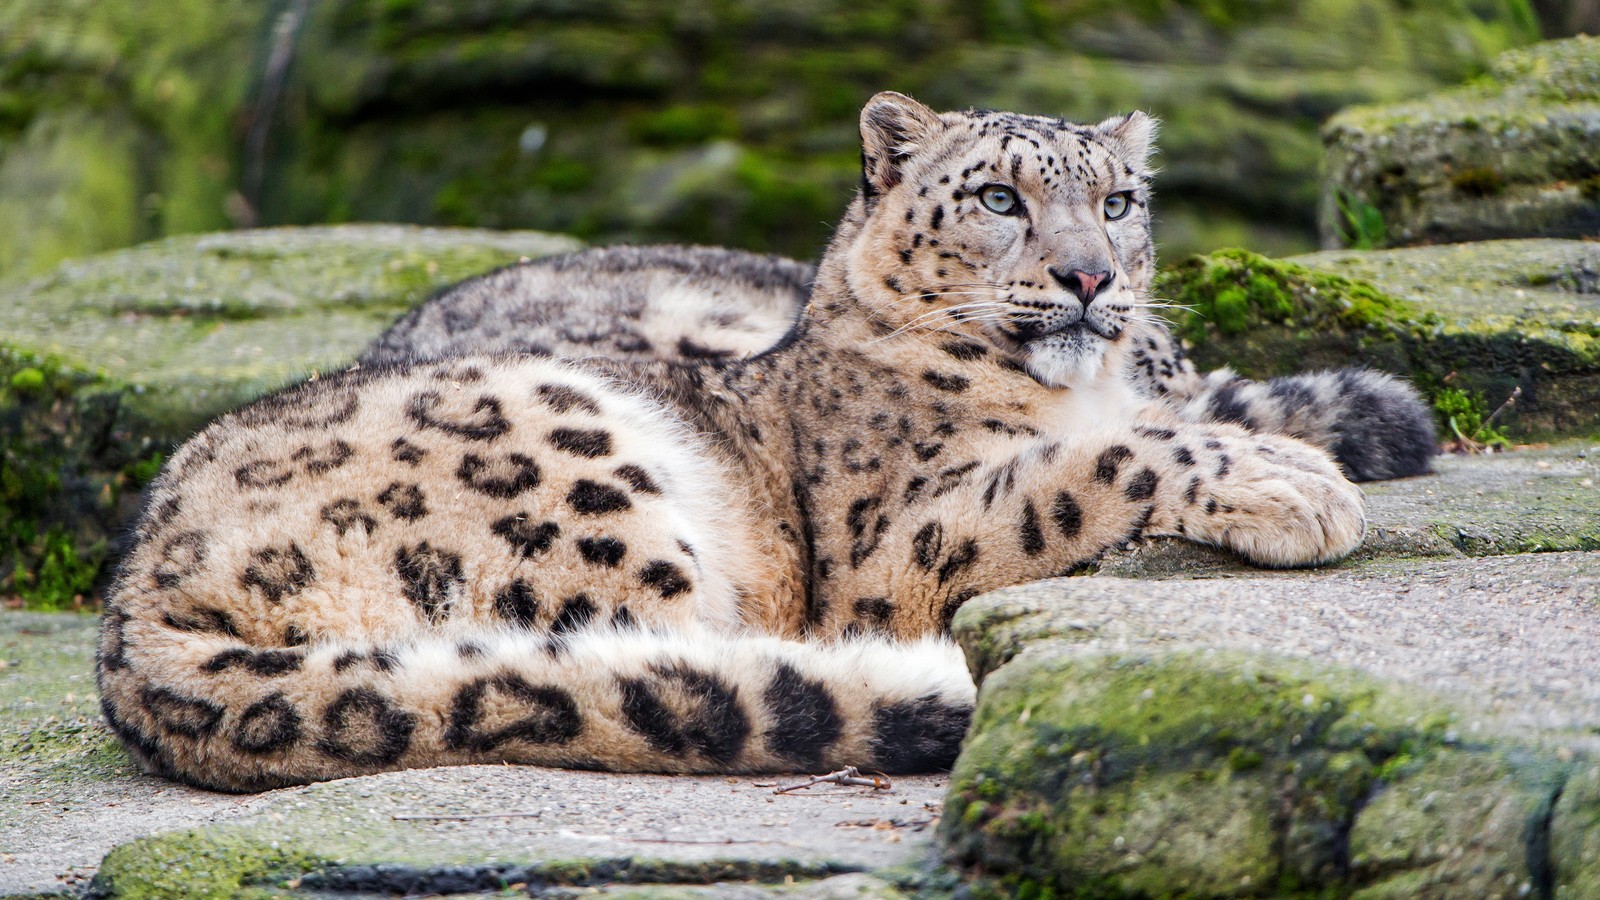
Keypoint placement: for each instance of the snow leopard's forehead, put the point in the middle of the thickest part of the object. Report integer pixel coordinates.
(1036, 151)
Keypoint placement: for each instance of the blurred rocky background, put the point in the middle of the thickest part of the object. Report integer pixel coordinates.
(726, 121)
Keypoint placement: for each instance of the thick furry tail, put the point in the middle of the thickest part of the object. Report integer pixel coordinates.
(208, 710)
(1375, 425)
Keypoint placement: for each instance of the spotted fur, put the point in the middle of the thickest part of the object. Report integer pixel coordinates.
(726, 566)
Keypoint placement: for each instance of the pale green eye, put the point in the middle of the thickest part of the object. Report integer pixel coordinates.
(1117, 205)
(999, 199)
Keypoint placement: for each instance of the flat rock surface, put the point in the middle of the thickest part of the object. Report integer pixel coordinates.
(195, 325)
(107, 363)
(1510, 154)
(1470, 325)
(1418, 730)
(68, 791)
(1515, 636)
(1548, 289)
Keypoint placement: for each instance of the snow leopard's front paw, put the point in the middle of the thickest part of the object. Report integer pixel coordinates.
(1278, 502)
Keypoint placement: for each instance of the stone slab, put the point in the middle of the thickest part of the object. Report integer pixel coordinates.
(1422, 605)
(107, 362)
(194, 325)
(1467, 324)
(1515, 638)
(1392, 728)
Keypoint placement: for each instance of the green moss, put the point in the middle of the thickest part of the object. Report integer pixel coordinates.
(1230, 309)
(198, 864)
(62, 577)
(142, 472)
(1242, 759)
(1234, 291)
(28, 381)
(45, 560)
(1438, 316)
(684, 124)
(565, 175)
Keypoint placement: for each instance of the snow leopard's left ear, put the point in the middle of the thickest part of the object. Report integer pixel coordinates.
(893, 126)
(1132, 137)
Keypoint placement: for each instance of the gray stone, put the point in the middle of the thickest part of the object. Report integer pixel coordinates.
(1510, 155)
(71, 796)
(189, 327)
(1393, 636)
(1391, 728)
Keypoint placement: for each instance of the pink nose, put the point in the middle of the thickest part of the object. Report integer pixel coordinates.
(1083, 285)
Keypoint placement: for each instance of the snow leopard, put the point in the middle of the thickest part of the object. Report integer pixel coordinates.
(725, 565)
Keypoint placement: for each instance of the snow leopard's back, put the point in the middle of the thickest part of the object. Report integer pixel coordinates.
(666, 302)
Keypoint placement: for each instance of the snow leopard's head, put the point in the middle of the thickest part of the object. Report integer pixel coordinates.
(1031, 232)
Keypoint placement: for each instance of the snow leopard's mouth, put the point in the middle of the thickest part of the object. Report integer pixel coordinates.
(1028, 332)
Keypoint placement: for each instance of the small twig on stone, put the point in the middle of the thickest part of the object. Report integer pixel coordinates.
(446, 817)
(1516, 394)
(849, 775)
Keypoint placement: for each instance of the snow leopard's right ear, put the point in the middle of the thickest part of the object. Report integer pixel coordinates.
(1132, 137)
(892, 127)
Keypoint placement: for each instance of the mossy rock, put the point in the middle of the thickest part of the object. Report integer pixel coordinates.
(107, 362)
(1512, 154)
(1469, 324)
(1282, 735)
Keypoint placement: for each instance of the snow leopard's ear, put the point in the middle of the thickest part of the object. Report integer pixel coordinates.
(1132, 137)
(892, 127)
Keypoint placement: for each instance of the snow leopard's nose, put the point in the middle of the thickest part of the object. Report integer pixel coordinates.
(1083, 285)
